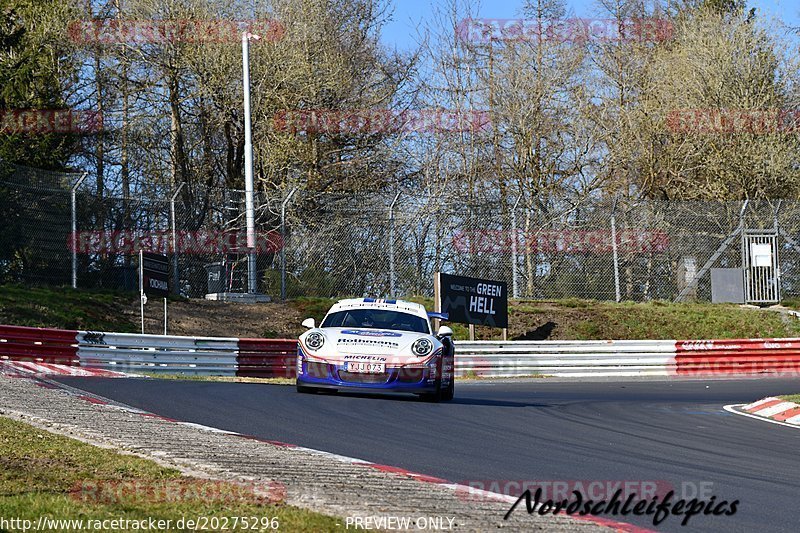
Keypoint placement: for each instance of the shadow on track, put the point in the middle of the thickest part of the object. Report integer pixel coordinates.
(413, 398)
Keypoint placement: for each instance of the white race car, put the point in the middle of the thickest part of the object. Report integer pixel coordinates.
(376, 345)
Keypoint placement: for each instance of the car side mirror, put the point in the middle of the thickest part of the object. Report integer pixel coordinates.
(309, 323)
(445, 331)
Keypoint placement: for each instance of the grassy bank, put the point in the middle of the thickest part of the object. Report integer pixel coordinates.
(573, 319)
(67, 308)
(565, 319)
(43, 474)
(791, 398)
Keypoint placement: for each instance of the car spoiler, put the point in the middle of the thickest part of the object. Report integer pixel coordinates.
(440, 316)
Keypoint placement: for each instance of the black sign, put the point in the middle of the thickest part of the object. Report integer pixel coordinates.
(474, 301)
(155, 274)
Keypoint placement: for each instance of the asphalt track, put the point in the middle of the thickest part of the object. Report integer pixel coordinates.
(673, 432)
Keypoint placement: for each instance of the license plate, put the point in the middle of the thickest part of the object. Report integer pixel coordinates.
(361, 367)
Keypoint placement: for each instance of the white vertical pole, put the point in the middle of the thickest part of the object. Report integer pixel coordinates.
(514, 283)
(248, 168)
(75, 230)
(175, 273)
(391, 246)
(614, 250)
(141, 287)
(283, 242)
(437, 299)
(165, 316)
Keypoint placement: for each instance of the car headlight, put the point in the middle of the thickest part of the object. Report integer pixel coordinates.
(315, 340)
(422, 347)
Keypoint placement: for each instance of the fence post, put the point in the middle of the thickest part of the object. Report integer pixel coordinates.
(175, 274)
(252, 276)
(391, 246)
(514, 283)
(75, 230)
(778, 292)
(614, 248)
(283, 243)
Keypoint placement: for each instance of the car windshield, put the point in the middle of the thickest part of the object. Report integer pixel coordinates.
(376, 319)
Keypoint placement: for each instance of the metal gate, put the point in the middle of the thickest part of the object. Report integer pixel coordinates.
(762, 272)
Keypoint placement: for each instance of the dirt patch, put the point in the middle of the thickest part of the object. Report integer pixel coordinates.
(565, 319)
(221, 319)
(538, 321)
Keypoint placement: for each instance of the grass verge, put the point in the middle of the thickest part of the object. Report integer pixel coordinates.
(791, 398)
(224, 379)
(564, 319)
(66, 308)
(588, 320)
(43, 474)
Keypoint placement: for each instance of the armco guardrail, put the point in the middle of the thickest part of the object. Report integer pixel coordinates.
(158, 353)
(565, 358)
(126, 352)
(36, 345)
(738, 356)
(267, 358)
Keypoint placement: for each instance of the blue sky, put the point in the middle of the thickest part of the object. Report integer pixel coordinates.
(401, 33)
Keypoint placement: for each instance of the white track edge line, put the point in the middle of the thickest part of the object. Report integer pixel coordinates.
(732, 409)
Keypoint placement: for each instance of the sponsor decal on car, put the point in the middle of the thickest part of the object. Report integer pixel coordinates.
(364, 358)
(362, 342)
(370, 333)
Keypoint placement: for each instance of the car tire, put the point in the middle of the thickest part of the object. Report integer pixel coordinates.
(433, 397)
(441, 395)
(450, 392)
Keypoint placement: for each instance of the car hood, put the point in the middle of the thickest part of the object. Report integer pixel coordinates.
(378, 345)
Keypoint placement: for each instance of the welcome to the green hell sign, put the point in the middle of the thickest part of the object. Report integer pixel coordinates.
(473, 301)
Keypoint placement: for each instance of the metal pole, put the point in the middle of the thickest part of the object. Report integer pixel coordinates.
(777, 261)
(165, 316)
(514, 283)
(175, 274)
(614, 249)
(75, 230)
(248, 166)
(437, 299)
(283, 243)
(141, 287)
(391, 245)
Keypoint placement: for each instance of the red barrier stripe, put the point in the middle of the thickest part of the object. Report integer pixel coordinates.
(39, 345)
(266, 358)
(38, 334)
(765, 405)
(738, 356)
(95, 401)
(789, 413)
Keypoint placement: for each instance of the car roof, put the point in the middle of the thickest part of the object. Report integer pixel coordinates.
(379, 303)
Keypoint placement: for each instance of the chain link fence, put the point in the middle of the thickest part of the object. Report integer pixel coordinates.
(380, 244)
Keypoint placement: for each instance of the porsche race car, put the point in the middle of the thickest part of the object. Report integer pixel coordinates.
(376, 345)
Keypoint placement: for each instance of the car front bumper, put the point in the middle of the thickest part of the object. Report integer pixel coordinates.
(395, 379)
